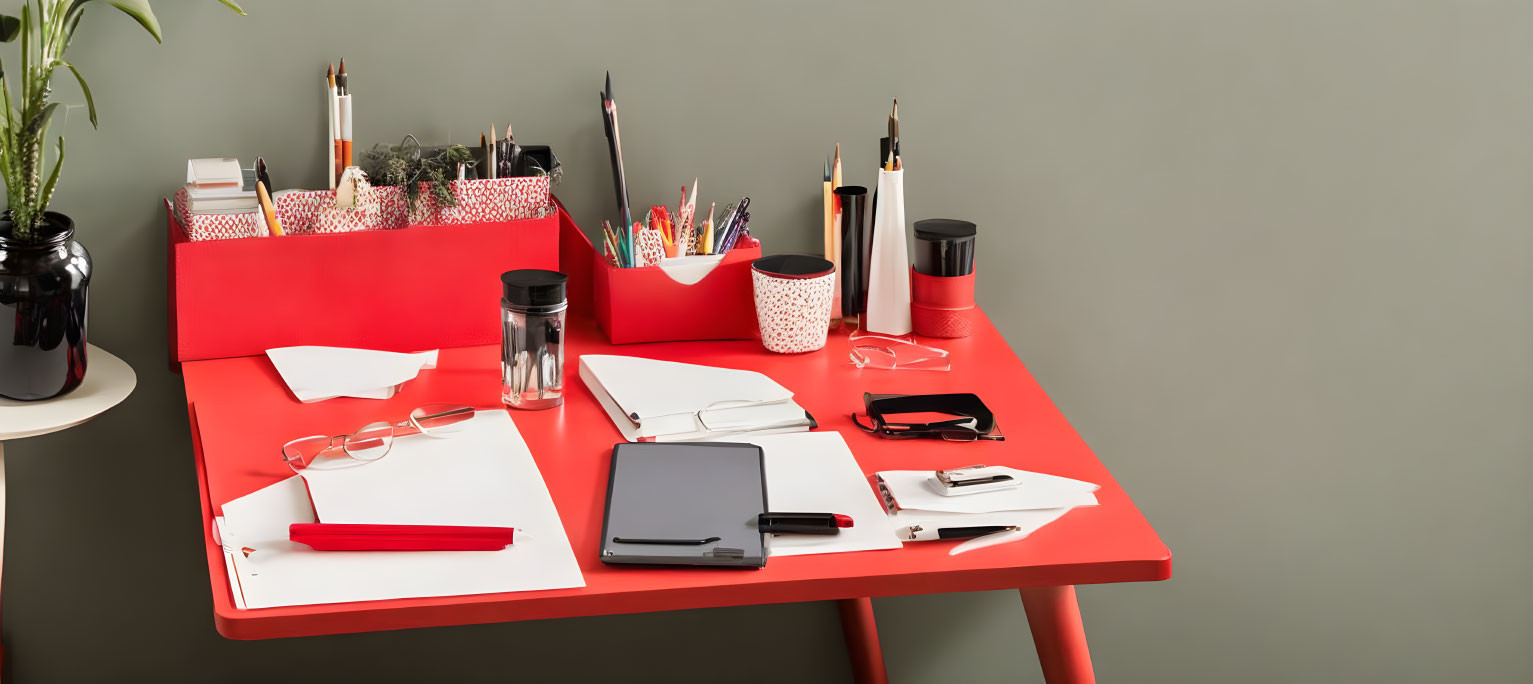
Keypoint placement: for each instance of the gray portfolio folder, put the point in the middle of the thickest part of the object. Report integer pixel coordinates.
(685, 504)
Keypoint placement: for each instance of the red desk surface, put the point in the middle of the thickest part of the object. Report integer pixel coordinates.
(242, 413)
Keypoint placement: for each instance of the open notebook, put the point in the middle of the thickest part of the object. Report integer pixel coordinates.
(665, 401)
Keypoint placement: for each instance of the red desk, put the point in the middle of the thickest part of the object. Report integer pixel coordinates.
(241, 413)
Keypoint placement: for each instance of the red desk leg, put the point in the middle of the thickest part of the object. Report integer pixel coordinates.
(1058, 634)
(862, 641)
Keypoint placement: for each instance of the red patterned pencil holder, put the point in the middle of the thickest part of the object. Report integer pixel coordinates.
(941, 306)
(793, 297)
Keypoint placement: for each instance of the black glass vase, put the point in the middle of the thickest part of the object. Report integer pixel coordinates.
(43, 297)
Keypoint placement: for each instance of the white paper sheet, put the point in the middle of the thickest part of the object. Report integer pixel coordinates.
(913, 490)
(505, 489)
(320, 373)
(815, 472)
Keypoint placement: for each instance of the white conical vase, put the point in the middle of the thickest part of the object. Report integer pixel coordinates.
(889, 278)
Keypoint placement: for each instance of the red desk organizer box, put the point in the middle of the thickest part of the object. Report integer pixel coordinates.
(405, 289)
(644, 304)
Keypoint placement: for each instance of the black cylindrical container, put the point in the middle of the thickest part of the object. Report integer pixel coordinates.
(44, 284)
(854, 256)
(944, 247)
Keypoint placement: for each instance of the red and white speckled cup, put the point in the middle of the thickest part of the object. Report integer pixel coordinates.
(793, 297)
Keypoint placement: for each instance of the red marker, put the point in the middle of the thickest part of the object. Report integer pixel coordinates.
(353, 537)
(803, 523)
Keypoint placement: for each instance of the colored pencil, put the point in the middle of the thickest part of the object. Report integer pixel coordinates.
(330, 150)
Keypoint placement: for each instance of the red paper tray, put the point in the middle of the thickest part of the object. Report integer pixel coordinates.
(407, 289)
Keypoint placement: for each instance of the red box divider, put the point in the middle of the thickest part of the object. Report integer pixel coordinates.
(408, 289)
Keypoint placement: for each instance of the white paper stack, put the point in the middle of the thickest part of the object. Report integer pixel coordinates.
(911, 498)
(219, 186)
(481, 474)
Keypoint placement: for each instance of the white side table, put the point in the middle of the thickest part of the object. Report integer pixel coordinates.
(107, 382)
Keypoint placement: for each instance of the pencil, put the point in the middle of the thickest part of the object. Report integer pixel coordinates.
(829, 229)
(494, 145)
(708, 229)
(330, 150)
(484, 158)
(272, 224)
(894, 128)
(688, 236)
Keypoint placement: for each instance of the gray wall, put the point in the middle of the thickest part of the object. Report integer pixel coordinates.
(1272, 258)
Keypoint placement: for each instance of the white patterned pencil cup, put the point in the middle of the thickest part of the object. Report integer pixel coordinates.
(793, 297)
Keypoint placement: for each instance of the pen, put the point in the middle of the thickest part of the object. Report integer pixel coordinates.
(343, 83)
(802, 523)
(924, 533)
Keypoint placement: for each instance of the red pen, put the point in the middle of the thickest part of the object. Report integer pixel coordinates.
(803, 523)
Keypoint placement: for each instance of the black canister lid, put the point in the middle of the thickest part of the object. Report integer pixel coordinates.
(533, 287)
(935, 230)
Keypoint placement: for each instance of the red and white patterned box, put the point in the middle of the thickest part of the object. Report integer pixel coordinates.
(217, 226)
(308, 212)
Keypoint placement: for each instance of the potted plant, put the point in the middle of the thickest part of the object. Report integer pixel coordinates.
(44, 272)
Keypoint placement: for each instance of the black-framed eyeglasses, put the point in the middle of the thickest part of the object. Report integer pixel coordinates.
(948, 417)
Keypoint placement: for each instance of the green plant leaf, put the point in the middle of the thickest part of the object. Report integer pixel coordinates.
(231, 4)
(53, 179)
(140, 11)
(90, 104)
(10, 27)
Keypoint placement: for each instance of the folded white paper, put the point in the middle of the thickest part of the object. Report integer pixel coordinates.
(320, 373)
(689, 270)
(815, 472)
(483, 474)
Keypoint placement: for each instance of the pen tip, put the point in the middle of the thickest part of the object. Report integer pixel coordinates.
(343, 65)
(330, 70)
(838, 151)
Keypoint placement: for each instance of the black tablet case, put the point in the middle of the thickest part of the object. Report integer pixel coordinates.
(685, 492)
